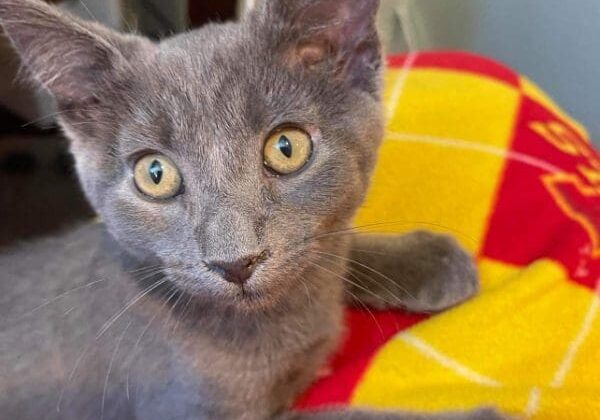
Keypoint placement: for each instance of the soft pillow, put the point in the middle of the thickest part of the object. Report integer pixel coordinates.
(478, 151)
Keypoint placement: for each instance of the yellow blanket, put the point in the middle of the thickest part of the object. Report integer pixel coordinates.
(478, 151)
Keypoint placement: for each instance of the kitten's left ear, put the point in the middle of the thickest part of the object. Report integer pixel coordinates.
(338, 36)
(75, 60)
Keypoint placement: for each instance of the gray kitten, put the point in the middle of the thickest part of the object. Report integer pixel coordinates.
(227, 164)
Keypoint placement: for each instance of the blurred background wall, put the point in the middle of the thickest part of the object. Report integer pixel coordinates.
(554, 42)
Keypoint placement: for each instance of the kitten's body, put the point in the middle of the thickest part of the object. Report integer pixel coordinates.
(128, 319)
(194, 361)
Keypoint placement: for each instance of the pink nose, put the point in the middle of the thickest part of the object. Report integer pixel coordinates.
(239, 271)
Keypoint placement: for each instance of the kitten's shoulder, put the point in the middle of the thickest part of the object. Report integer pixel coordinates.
(72, 249)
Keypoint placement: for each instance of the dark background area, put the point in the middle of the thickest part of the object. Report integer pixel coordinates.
(39, 192)
(204, 11)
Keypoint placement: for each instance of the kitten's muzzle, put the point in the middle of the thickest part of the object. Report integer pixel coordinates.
(238, 271)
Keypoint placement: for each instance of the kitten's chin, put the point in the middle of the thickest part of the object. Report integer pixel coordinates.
(257, 297)
(245, 300)
(253, 301)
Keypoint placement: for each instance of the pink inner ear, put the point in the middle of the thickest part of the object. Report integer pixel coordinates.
(311, 54)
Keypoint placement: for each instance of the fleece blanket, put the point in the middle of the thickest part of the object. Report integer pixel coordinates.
(478, 151)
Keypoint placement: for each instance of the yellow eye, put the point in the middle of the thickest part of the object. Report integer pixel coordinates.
(157, 177)
(287, 151)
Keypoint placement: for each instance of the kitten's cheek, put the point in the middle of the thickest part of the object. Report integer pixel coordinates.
(141, 217)
(145, 226)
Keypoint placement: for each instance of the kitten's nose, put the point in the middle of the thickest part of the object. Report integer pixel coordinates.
(239, 271)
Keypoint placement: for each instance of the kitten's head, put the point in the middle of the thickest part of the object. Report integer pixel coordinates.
(221, 151)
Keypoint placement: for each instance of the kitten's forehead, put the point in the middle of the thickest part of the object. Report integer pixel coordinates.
(181, 82)
(220, 81)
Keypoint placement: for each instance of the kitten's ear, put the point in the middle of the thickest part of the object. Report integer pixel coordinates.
(73, 59)
(330, 35)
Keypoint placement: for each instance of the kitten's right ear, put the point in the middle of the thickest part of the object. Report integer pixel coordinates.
(74, 59)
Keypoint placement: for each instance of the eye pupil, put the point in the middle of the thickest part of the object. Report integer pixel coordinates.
(156, 171)
(285, 146)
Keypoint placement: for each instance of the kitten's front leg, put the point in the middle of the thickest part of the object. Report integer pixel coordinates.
(420, 271)
(357, 414)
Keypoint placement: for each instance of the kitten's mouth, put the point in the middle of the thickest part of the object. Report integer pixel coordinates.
(259, 293)
(259, 290)
(249, 296)
(246, 299)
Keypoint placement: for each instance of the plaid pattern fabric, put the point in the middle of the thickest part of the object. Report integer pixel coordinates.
(478, 151)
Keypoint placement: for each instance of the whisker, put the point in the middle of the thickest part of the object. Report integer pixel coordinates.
(54, 299)
(128, 24)
(345, 279)
(350, 260)
(49, 116)
(401, 302)
(148, 271)
(88, 11)
(369, 311)
(147, 267)
(371, 252)
(307, 291)
(133, 352)
(71, 375)
(111, 321)
(350, 271)
(135, 300)
(365, 306)
(68, 311)
(110, 365)
(169, 316)
(184, 312)
(355, 230)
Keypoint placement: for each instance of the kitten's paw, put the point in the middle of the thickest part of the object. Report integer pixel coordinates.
(444, 273)
(420, 271)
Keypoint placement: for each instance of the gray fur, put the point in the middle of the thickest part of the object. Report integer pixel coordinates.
(122, 319)
(420, 271)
